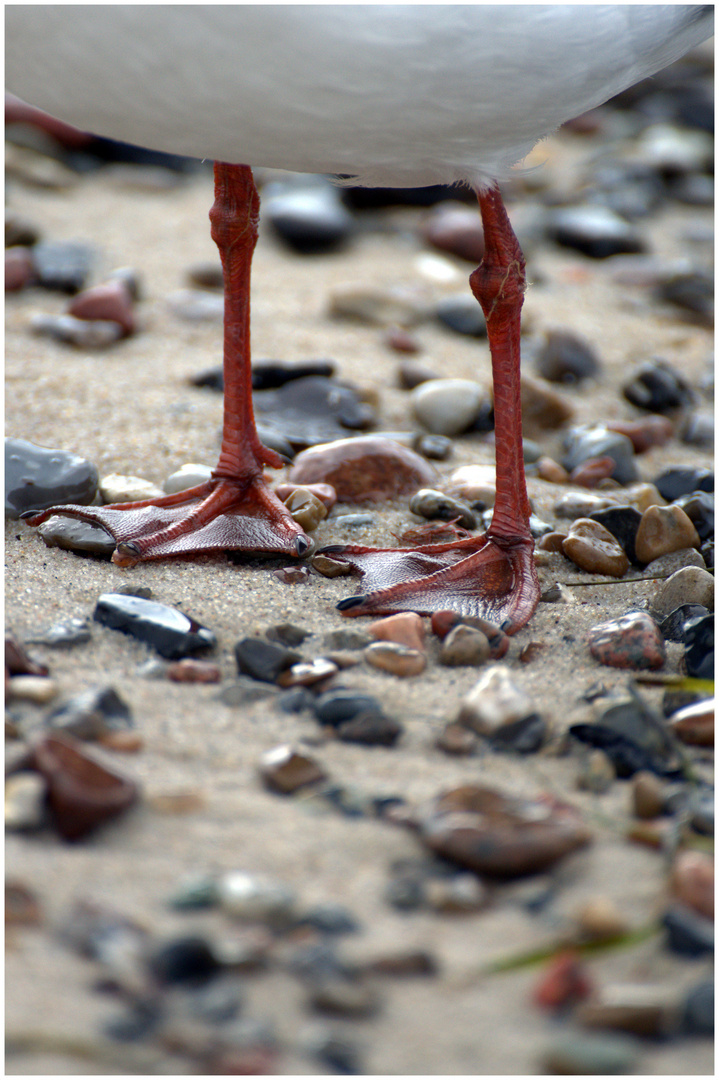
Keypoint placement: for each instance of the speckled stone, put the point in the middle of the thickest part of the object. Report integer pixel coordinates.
(664, 529)
(365, 469)
(632, 641)
(593, 548)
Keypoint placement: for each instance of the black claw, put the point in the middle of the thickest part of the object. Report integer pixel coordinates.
(129, 549)
(350, 602)
(331, 549)
(507, 626)
(302, 545)
(27, 514)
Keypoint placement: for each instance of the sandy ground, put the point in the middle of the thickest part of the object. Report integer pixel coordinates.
(130, 410)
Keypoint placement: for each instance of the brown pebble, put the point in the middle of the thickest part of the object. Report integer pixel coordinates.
(464, 646)
(551, 470)
(177, 802)
(405, 628)
(664, 529)
(543, 409)
(592, 471)
(22, 907)
(193, 671)
(307, 673)
(593, 548)
(411, 373)
(641, 1009)
(642, 496)
(293, 575)
(694, 724)
(647, 796)
(532, 651)
(123, 742)
(457, 230)
(109, 302)
(306, 509)
(443, 622)
(408, 963)
(19, 662)
(82, 793)
(599, 919)
(329, 567)
(456, 739)
(692, 881)
(19, 269)
(395, 659)
(401, 341)
(552, 541)
(368, 468)
(285, 770)
(597, 774)
(644, 433)
(564, 982)
(324, 492)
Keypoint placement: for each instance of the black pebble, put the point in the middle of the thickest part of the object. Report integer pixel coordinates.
(337, 706)
(622, 522)
(699, 641)
(627, 757)
(263, 660)
(688, 932)
(463, 315)
(566, 358)
(698, 1012)
(63, 265)
(681, 480)
(658, 387)
(37, 478)
(168, 630)
(699, 508)
(673, 627)
(184, 960)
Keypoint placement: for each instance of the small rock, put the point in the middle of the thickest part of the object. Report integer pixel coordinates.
(462, 314)
(379, 306)
(324, 492)
(699, 508)
(694, 724)
(370, 729)
(640, 1009)
(632, 641)
(329, 567)
(69, 330)
(109, 301)
(457, 230)
(690, 585)
(564, 982)
(447, 406)
(698, 1014)
(310, 218)
(578, 1054)
(405, 628)
(599, 919)
(664, 529)
(411, 373)
(355, 521)
(666, 565)
(585, 443)
(494, 702)
(699, 640)
(344, 997)
(264, 660)
(168, 630)
(336, 706)
(37, 689)
(443, 622)
(672, 626)
(183, 960)
(187, 476)
(307, 510)
(543, 409)
(576, 504)
(25, 794)
(254, 898)
(657, 387)
(345, 639)
(550, 470)
(622, 522)
(115, 488)
(293, 575)
(597, 773)
(286, 770)
(474, 483)
(396, 659)
(37, 478)
(434, 505)
(64, 635)
(22, 907)
(647, 796)
(459, 894)
(593, 548)
(73, 534)
(692, 881)
(363, 469)
(566, 358)
(402, 342)
(310, 673)
(197, 305)
(310, 411)
(464, 647)
(206, 275)
(457, 740)
(92, 714)
(19, 269)
(644, 433)
(193, 671)
(699, 430)
(688, 933)
(63, 265)
(594, 230)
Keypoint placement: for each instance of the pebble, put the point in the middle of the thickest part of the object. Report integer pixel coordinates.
(187, 476)
(543, 409)
(37, 478)
(22, 907)
(688, 933)
(457, 230)
(183, 960)
(63, 635)
(460, 894)
(698, 430)
(574, 1053)
(82, 793)
(190, 670)
(412, 373)
(658, 387)
(37, 689)
(690, 585)
(672, 626)
(330, 567)
(254, 898)
(19, 231)
(593, 548)
(622, 522)
(699, 508)
(73, 534)
(285, 770)
(167, 629)
(564, 982)
(19, 269)
(287, 634)
(443, 622)
(550, 470)
(698, 1014)
(592, 472)
(312, 410)
(334, 707)
(310, 218)
(25, 794)
(63, 265)
(692, 292)
(694, 724)
(355, 521)
(565, 357)
(580, 504)
(494, 702)
(462, 314)
(396, 659)
(638, 1009)
(464, 646)
(644, 433)
(499, 835)
(599, 919)
(206, 275)
(109, 301)
(293, 575)
(345, 639)
(584, 443)
(664, 529)
(402, 342)
(364, 469)
(447, 406)
(92, 714)
(69, 330)
(334, 1052)
(324, 492)
(647, 796)
(405, 628)
(19, 662)
(434, 505)
(197, 305)
(456, 739)
(341, 996)
(667, 565)
(594, 230)
(683, 480)
(310, 673)
(692, 881)
(330, 917)
(116, 488)
(597, 773)
(633, 641)
(270, 374)
(474, 483)
(370, 729)
(306, 509)
(264, 660)
(397, 306)
(699, 640)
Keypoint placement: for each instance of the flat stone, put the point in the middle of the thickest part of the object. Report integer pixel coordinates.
(264, 660)
(82, 333)
(575, 1053)
(411, 373)
(108, 301)
(187, 476)
(658, 387)
(667, 565)
(594, 230)
(593, 548)
(190, 670)
(401, 306)
(309, 673)
(690, 585)
(447, 406)
(92, 714)
(699, 641)
(37, 478)
(370, 729)
(168, 630)
(73, 534)
(434, 505)
(683, 480)
(694, 724)
(285, 770)
(405, 628)
(365, 469)
(699, 508)
(63, 635)
(116, 488)
(632, 641)
(238, 693)
(396, 659)
(462, 314)
(329, 567)
(312, 410)
(664, 529)
(336, 706)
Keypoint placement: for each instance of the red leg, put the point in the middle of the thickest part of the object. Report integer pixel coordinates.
(491, 575)
(234, 510)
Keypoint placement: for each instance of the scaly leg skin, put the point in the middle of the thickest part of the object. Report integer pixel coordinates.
(492, 576)
(234, 510)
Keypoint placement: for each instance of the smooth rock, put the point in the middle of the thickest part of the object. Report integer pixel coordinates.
(698, 1014)
(658, 387)
(690, 585)
(688, 933)
(462, 314)
(264, 660)
(24, 802)
(494, 702)
(667, 565)
(310, 411)
(190, 670)
(456, 229)
(474, 483)
(633, 641)
(574, 1053)
(457, 740)
(196, 305)
(254, 898)
(683, 480)
(460, 894)
(183, 960)
(33, 688)
(370, 729)
(395, 658)
(363, 469)
(309, 673)
(69, 330)
(565, 357)
(647, 796)
(19, 269)
(187, 476)
(400, 305)
(285, 770)
(63, 635)
(324, 492)
(699, 640)
(92, 714)
(116, 488)
(354, 521)
(238, 693)
(597, 773)
(73, 534)
(599, 919)
(580, 504)
(109, 301)
(37, 478)
(19, 662)
(464, 646)
(168, 630)
(345, 639)
(692, 881)
(644, 433)
(334, 707)
(310, 218)
(434, 505)
(329, 567)
(585, 443)
(672, 626)
(594, 230)
(412, 373)
(543, 409)
(664, 529)
(694, 724)
(405, 628)
(699, 508)
(443, 622)
(699, 430)
(593, 548)
(306, 509)
(622, 522)
(641, 1009)
(63, 265)
(564, 982)
(402, 341)
(447, 406)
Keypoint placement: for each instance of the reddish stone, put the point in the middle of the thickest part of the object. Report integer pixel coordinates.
(110, 301)
(369, 468)
(633, 641)
(564, 982)
(645, 433)
(401, 340)
(444, 621)
(324, 492)
(592, 471)
(457, 230)
(19, 270)
(405, 628)
(193, 671)
(692, 881)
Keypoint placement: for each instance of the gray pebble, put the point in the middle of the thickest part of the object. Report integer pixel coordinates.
(84, 333)
(447, 406)
(73, 534)
(354, 521)
(434, 505)
(37, 477)
(255, 898)
(63, 634)
(691, 585)
(187, 476)
(24, 802)
(584, 443)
